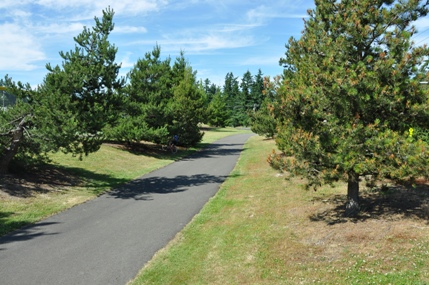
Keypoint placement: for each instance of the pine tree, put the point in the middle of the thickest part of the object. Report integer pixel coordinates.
(70, 109)
(217, 112)
(231, 92)
(187, 106)
(19, 137)
(83, 95)
(262, 121)
(245, 101)
(352, 93)
(257, 91)
(145, 115)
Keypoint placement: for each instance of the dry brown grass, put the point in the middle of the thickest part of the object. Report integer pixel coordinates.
(263, 229)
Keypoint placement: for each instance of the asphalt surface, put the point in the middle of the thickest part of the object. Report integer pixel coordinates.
(109, 239)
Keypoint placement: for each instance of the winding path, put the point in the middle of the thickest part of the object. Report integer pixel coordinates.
(109, 239)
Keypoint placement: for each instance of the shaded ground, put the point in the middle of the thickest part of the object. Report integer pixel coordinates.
(392, 203)
(50, 178)
(39, 181)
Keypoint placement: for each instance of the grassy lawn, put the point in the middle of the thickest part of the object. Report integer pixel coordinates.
(28, 198)
(258, 229)
(263, 229)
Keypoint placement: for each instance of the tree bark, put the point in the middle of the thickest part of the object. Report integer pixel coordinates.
(352, 205)
(11, 151)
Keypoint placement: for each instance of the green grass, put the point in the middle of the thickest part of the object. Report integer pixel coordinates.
(260, 229)
(72, 181)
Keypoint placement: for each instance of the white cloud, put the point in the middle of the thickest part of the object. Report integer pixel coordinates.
(72, 28)
(20, 49)
(206, 43)
(129, 29)
(218, 34)
(90, 8)
(126, 63)
(264, 13)
(6, 4)
(261, 61)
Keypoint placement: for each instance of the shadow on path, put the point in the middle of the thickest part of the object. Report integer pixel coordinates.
(141, 189)
(214, 150)
(26, 233)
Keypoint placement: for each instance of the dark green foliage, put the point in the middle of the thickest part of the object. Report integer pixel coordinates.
(241, 98)
(256, 92)
(262, 121)
(161, 101)
(148, 93)
(217, 111)
(21, 129)
(210, 88)
(70, 109)
(188, 108)
(83, 95)
(231, 92)
(351, 93)
(421, 134)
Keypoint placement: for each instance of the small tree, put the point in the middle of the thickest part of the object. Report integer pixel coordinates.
(217, 112)
(73, 105)
(231, 93)
(145, 113)
(257, 91)
(262, 121)
(351, 93)
(187, 108)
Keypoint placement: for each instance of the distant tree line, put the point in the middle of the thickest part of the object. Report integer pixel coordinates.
(84, 102)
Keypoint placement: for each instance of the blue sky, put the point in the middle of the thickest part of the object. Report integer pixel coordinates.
(217, 36)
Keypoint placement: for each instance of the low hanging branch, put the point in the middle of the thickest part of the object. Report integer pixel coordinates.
(16, 136)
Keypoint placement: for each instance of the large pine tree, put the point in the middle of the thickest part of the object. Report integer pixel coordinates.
(83, 95)
(351, 93)
(70, 109)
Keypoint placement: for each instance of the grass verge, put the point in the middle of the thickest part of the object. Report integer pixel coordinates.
(263, 229)
(28, 198)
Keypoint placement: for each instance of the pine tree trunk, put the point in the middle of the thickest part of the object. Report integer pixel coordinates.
(352, 206)
(11, 151)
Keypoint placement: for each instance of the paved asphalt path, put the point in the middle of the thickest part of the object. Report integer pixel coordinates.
(109, 239)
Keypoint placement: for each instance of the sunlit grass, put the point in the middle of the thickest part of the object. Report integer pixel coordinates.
(95, 174)
(259, 229)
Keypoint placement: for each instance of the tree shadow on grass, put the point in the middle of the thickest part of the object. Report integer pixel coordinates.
(397, 202)
(53, 178)
(47, 179)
